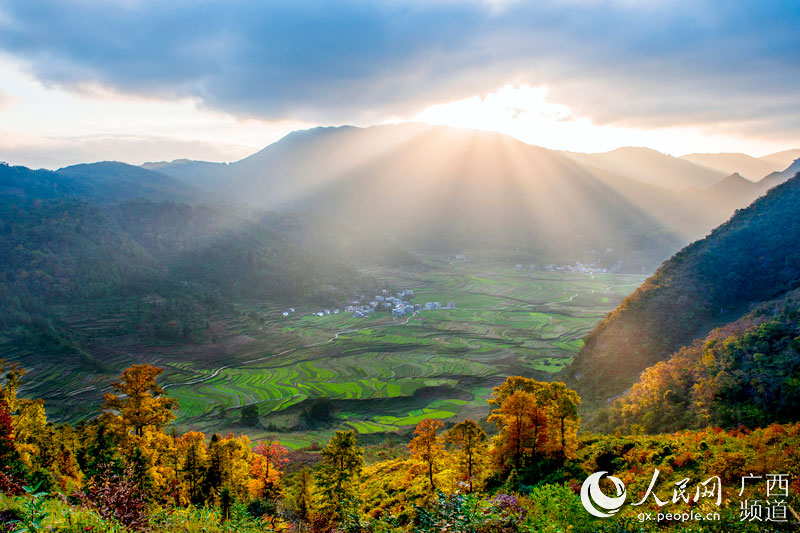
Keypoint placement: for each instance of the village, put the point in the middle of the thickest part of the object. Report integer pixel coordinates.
(399, 305)
(590, 268)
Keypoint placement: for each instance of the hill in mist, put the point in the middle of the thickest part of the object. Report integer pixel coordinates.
(436, 187)
(751, 168)
(750, 259)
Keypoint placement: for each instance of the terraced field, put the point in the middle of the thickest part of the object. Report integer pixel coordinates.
(377, 375)
(436, 364)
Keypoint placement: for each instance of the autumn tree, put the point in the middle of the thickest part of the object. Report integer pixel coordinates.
(216, 461)
(193, 457)
(269, 458)
(469, 439)
(520, 419)
(563, 405)
(511, 385)
(427, 445)
(230, 464)
(7, 451)
(342, 460)
(139, 401)
(31, 444)
(302, 497)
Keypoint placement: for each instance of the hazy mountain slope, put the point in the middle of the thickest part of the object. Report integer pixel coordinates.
(56, 252)
(447, 188)
(782, 159)
(752, 258)
(748, 167)
(201, 174)
(734, 192)
(776, 178)
(653, 167)
(96, 182)
(733, 188)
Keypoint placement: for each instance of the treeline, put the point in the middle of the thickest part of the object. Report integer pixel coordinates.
(752, 258)
(746, 373)
(126, 470)
(125, 463)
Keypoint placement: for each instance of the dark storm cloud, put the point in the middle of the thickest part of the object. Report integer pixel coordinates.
(642, 63)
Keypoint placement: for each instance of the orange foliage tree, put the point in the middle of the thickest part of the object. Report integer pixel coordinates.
(427, 444)
(534, 418)
(269, 458)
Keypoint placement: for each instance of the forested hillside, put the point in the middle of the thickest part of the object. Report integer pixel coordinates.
(752, 258)
(192, 258)
(746, 373)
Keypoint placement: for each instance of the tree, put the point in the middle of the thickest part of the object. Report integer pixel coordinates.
(193, 457)
(249, 415)
(234, 458)
(11, 379)
(427, 445)
(563, 406)
(216, 460)
(511, 385)
(342, 461)
(7, 451)
(470, 441)
(270, 457)
(302, 498)
(521, 420)
(140, 401)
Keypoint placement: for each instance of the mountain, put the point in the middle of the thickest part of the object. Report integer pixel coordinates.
(776, 178)
(97, 182)
(732, 188)
(444, 188)
(782, 159)
(749, 167)
(652, 167)
(733, 192)
(752, 258)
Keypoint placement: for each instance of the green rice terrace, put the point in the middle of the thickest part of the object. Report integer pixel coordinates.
(308, 375)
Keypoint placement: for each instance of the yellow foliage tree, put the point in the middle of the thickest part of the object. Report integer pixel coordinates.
(469, 440)
(230, 460)
(139, 402)
(193, 460)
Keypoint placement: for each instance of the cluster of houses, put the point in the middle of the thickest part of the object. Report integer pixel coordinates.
(399, 305)
(590, 268)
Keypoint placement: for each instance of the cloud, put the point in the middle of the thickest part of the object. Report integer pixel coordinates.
(640, 64)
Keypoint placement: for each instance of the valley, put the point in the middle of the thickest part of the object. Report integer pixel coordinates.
(308, 375)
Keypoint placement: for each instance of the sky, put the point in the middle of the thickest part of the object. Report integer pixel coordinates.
(143, 80)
